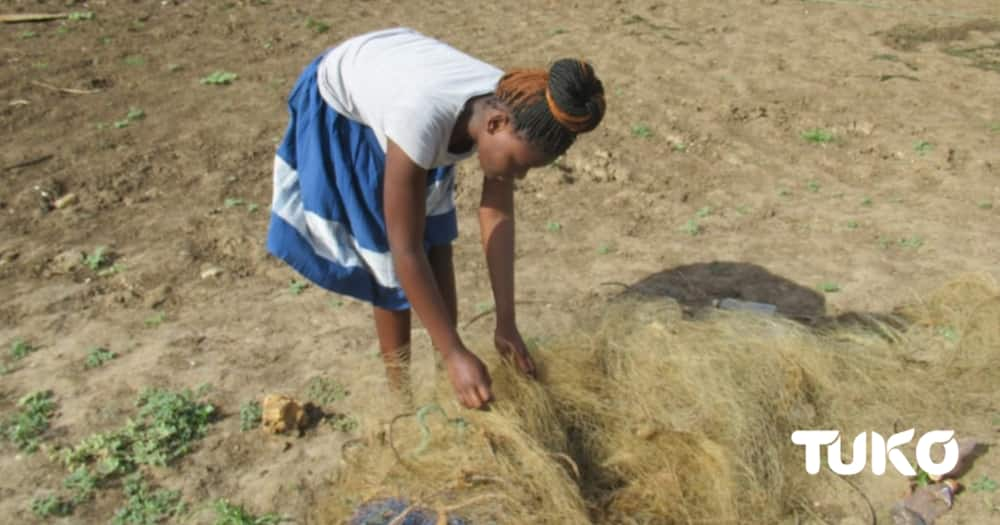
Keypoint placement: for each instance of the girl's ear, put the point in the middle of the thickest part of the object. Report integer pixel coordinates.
(497, 120)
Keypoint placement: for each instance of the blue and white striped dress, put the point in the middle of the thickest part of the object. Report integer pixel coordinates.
(327, 217)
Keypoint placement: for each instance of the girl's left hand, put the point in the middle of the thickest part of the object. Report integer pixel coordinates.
(511, 346)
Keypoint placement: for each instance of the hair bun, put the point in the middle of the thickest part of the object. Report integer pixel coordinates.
(575, 95)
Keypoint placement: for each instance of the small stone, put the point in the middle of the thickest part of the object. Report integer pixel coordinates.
(602, 154)
(600, 174)
(67, 261)
(281, 414)
(211, 271)
(66, 201)
(158, 296)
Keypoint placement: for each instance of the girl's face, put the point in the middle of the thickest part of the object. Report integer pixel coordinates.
(503, 154)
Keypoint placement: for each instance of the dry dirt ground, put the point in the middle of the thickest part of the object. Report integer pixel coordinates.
(702, 158)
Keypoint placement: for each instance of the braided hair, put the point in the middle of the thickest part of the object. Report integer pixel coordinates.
(550, 108)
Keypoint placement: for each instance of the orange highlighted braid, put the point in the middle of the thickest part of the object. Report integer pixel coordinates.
(550, 108)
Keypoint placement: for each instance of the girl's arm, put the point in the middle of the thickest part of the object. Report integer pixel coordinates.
(496, 227)
(404, 200)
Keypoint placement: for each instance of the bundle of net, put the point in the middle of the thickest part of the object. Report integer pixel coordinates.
(645, 415)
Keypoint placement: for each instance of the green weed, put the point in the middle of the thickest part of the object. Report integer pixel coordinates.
(51, 505)
(173, 68)
(557, 31)
(324, 391)
(97, 356)
(984, 484)
(553, 227)
(252, 207)
(985, 205)
(40, 65)
(26, 427)
(296, 287)
(813, 186)
(96, 260)
(155, 320)
(784, 193)
(817, 136)
(232, 202)
(949, 333)
(914, 242)
(484, 307)
(995, 127)
(923, 147)
(317, 25)
(28, 34)
(135, 60)
(680, 147)
(336, 303)
(20, 349)
(743, 210)
(82, 483)
(852, 225)
(219, 78)
(228, 514)
(829, 287)
(703, 212)
(250, 415)
(343, 423)
(77, 16)
(867, 201)
(166, 427)
(692, 228)
(105, 40)
(604, 249)
(642, 131)
(146, 507)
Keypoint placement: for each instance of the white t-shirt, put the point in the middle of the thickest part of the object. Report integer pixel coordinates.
(406, 87)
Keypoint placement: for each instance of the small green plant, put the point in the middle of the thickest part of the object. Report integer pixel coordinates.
(232, 202)
(336, 303)
(146, 507)
(77, 16)
(557, 31)
(133, 115)
(51, 505)
(923, 147)
(252, 207)
(343, 423)
(913, 243)
(173, 68)
(743, 210)
(228, 514)
(26, 427)
(5, 369)
(691, 227)
(703, 212)
(250, 415)
(604, 249)
(813, 186)
(97, 356)
(784, 193)
(984, 484)
(867, 201)
(166, 427)
(324, 391)
(296, 287)
(985, 205)
(483, 307)
(995, 127)
(219, 78)
(642, 131)
(40, 65)
(28, 34)
(949, 333)
(155, 320)
(817, 136)
(680, 147)
(96, 260)
(20, 349)
(553, 227)
(135, 60)
(105, 40)
(829, 287)
(318, 26)
(852, 225)
(82, 483)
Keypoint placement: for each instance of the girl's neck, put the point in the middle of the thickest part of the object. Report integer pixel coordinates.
(463, 134)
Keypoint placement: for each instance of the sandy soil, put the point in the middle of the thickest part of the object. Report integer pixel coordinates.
(701, 159)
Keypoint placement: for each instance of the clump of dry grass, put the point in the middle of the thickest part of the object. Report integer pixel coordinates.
(650, 418)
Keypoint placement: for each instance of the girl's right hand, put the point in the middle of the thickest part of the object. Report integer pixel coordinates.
(469, 378)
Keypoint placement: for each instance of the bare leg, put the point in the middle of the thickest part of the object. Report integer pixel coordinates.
(393, 329)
